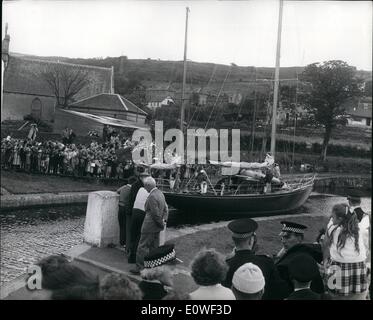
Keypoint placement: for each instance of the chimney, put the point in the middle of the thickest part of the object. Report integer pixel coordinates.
(5, 47)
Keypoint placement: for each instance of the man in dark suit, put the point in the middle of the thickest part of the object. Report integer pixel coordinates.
(244, 238)
(302, 270)
(292, 235)
(156, 214)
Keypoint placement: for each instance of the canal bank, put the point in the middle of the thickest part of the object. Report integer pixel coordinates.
(105, 260)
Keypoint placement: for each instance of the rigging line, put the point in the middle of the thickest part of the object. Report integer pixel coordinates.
(172, 71)
(254, 119)
(295, 118)
(201, 91)
(217, 98)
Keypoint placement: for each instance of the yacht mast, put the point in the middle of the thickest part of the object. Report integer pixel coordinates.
(277, 74)
(183, 99)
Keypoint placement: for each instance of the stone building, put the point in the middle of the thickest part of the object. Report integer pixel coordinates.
(25, 92)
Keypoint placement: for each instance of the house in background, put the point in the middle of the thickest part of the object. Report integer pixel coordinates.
(24, 91)
(158, 95)
(359, 112)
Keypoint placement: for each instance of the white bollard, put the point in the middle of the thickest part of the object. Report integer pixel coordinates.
(101, 226)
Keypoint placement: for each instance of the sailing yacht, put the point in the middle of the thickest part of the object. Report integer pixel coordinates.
(241, 193)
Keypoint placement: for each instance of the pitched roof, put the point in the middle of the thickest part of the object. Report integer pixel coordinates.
(107, 101)
(22, 75)
(107, 120)
(362, 108)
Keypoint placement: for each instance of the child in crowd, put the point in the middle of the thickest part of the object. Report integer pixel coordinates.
(345, 256)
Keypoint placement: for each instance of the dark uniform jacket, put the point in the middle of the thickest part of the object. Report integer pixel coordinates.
(304, 294)
(275, 287)
(359, 213)
(314, 250)
(152, 290)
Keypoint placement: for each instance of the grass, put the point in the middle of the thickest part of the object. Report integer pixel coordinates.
(268, 240)
(21, 183)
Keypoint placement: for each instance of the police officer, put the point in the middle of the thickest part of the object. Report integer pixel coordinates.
(245, 239)
(292, 236)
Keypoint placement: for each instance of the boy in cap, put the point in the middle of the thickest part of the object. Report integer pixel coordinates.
(302, 270)
(244, 238)
(292, 236)
(248, 282)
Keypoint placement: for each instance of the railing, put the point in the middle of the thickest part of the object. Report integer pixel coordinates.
(244, 187)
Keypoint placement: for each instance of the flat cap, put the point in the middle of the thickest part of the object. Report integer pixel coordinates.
(242, 228)
(303, 268)
(354, 195)
(288, 226)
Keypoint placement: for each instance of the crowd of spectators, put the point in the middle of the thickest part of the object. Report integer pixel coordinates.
(54, 157)
(294, 271)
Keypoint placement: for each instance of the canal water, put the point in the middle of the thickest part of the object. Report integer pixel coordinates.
(28, 235)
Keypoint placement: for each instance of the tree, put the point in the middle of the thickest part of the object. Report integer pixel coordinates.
(65, 81)
(331, 84)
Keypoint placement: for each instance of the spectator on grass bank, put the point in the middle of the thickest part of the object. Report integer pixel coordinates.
(116, 286)
(159, 268)
(347, 256)
(155, 221)
(292, 238)
(248, 282)
(245, 241)
(33, 132)
(208, 270)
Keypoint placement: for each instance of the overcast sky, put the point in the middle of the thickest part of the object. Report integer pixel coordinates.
(243, 32)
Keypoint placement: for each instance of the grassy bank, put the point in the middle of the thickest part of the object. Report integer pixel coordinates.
(268, 237)
(21, 183)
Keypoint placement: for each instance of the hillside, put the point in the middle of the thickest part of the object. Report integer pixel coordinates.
(149, 72)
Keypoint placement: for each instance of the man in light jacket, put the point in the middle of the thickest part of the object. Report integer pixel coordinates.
(156, 214)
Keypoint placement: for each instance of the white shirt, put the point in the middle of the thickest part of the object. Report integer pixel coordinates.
(215, 292)
(141, 197)
(348, 253)
(364, 232)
